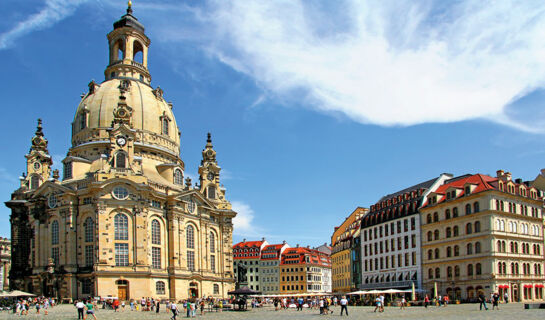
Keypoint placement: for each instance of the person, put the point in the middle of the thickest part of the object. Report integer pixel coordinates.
(174, 309)
(321, 306)
(300, 304)
(38, 306)
(403, 302)
(482, 302)
(377, 304)
(80, 306)
(123, 305)
(344, 305)
(157, 305)
(90, 311)
(495, 301)
(381, 303)
(506, 297)
(202, 306)
(445, 300)
(46, 307)
(115, 305)
(426, 301)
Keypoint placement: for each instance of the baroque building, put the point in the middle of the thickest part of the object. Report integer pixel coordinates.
(483, 234)
(121, 221)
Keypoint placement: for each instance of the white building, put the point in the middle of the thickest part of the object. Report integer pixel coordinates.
(247, 254)
(269, 277)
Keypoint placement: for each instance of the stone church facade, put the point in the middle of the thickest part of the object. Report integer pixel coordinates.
(121, 221)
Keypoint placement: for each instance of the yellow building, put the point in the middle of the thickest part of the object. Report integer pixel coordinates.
(304, 270)
(483, 234)
(341, 254)
(122, 222)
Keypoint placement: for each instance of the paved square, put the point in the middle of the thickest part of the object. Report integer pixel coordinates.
(466, 311)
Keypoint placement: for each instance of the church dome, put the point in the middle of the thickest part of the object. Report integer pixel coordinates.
(150, 115)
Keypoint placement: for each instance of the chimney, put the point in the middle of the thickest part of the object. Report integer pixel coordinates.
(263, 239)
(508, 176)
(297, 246)
(284, 242)
(519, 181)
(244, 240)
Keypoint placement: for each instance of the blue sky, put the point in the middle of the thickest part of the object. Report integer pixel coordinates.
(315, 107)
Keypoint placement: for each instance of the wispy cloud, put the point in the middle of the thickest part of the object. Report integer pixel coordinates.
(7, 178)
(53, 12)
(243, 224)
(387, 62)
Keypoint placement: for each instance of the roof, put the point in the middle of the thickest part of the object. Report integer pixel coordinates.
(272, 249)
(298, 255)
(423, 185)
(248, 244)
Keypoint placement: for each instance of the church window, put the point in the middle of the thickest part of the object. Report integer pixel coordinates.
(178, 177)
(216, 289)
(213, 263)
(164, 122)
(82, 120)
(121, 254)
(120, 160)
(34, 182)
(191, 260)
(52, 201)
(55, 232)
(89, 255)
(155, 232)
(67, 170)
(55, 255)
(160, 287)
(191, 206)
(190, 237)
(86, 286)
(121, 226)
(156, 258)
(212, 192)
(212, 242)
(89, 229)
(120, 193)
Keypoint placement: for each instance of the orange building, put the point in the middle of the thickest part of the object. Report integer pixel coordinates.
(304, 270)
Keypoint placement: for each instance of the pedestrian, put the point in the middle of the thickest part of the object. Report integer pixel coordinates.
(445, 301)
(90, 311)
(344, 305)
(321, 303)
(46, 307)
(174, 309)
(426, 301)
(495, 301)
(506, 297)
(403, 302)
(377, 304)
(482, 302)
(381, 303)
(157, 305)
(80, 306)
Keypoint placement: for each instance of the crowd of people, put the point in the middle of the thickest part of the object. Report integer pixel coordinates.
(40, 304)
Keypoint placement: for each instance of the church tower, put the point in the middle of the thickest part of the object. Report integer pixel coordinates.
(38, 161)
(209, 176)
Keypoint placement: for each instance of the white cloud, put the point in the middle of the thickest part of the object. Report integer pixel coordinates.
(243, 224)
(387, 62)
(53, 12)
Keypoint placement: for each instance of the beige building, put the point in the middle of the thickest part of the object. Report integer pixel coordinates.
(483, 234)
(122, 222)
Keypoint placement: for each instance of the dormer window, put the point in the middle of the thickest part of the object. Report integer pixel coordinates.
(467, 190)
(67, 170)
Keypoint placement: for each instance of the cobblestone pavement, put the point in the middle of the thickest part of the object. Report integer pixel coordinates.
(467, 311)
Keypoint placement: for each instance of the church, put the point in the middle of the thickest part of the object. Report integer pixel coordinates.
(121, 221)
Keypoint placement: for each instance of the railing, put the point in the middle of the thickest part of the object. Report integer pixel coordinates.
(137, 64)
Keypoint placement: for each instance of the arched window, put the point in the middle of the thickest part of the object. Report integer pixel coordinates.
(89, 225)
(437, 273)
(430, 273)
(469, 269)
(449, 252)
(449, 272)
(178, 177)
(428, 218)
(456, 271)
(216, 289)
(437, 253)
(34, 182)
(469, 228)
(430, 254)
(155, 232)
(477, 247)
(455, 212)
(499, 268)
(435, 217)
(121, 227)
(430, 236)
(498, 244)
(120, 160)
(477, 226)
(164, 125)
(468, 208)
(436, 235)
(469, 248)
(212, 192)
(212, 242)
(449, 232)
(55, 232)
(160, 287)
(455, 231)
(447, 214)
(476, 207)
(190, 237)
(456, 251)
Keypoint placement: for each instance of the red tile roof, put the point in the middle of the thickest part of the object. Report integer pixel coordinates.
(247, 250)
(298, 256)
(270, 250)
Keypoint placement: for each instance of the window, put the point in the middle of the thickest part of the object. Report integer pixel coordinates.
(468, 208)
(121, 227)
(456, 271)
(212, 192)
(435, 217)
(160, 287)
(86, 286)
(428, 218)
(55, 232)
(437, 253)
(456, 251)
(55, 255)
(469, 228)
(449, 252)
(165, 126)
(89, 225)
(436, 235)
(447, 214)
(191, 260)
(89, 255)
(430, 236)
(67, 170)
(120, 193)
(469, 248)
(478, 269)
(178, 177)
(477, 247)
(34, 182)
(216, 289)
(190, 237)
(449, 272)
(430, 273)
(121, 254)
(469, 269)
(437, 273)
(455, 231)
(449, 232)
(155, 232)
(477, 226)
(476, 207)
(212, 242)
(213, 263)
(120, 160)
(156, 257)
(455, 212)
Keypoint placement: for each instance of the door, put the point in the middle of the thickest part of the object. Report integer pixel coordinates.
(193, 293)
(122, 293)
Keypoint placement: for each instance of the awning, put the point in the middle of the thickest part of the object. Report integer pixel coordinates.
(503, 286)
(539, 286)
(528, 286)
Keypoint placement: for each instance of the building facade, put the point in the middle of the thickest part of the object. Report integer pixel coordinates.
(342, 256)
(484, 234)
(390, 238)
(121, 221)
(305, 270)
(247, 255)
(5, 260)
(269, 267)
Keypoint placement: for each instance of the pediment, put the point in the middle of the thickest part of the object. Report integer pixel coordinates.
(49, 187)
